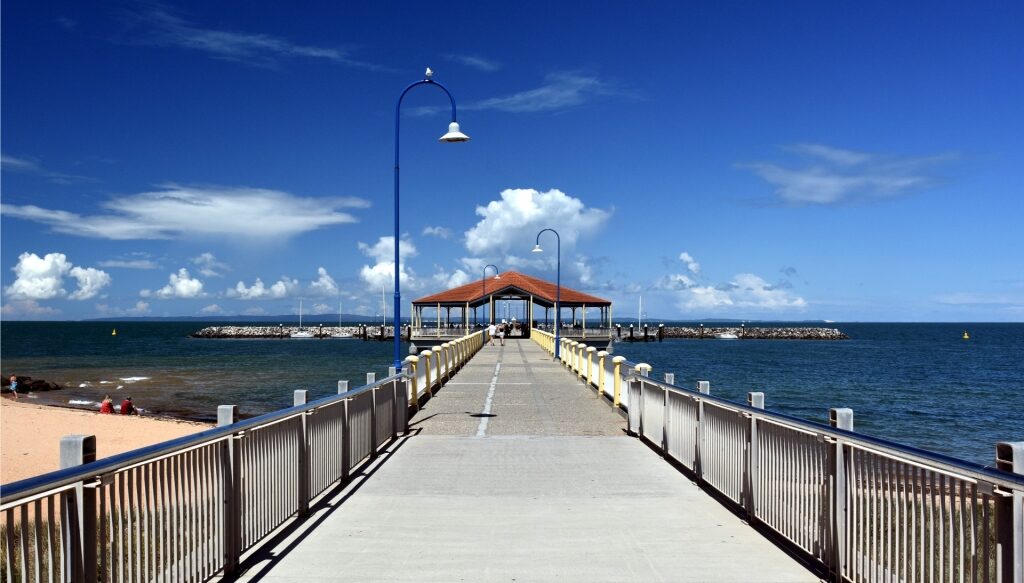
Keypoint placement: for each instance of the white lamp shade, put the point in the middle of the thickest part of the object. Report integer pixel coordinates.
(454, 134)
(537, 249)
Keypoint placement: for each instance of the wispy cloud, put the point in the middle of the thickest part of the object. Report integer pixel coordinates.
(209, 265)
(178, 211)
(155, 24)
(475, 62)
(560, 91)
(836, 176)
(130, 264)
(439, 232)
(32, 166)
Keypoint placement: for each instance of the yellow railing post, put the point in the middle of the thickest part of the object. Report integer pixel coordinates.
(643, 369)
(574, 358)
(414, 396)
(600, 372)
(445, 346)
(617, 361)
(590, 363)
(436, 351)
(425, 357)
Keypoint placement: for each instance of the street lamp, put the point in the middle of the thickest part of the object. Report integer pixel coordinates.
(483, 285)
(453, 135)
(558, 285)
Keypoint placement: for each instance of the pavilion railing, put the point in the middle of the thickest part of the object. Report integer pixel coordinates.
(187, 509)
(858, 508)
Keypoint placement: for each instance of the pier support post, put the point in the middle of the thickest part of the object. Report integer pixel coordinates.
(78, 531)
(301, 397)
(1010, 515)
(232, 471)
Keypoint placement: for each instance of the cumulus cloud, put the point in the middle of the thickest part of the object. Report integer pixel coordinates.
(177, 211)
(744, 290)
(30, 308)
(140, 308)
(439, 232)
(283, 288)
(691, 263)
(209, 266)
(448, 280)
(834, 175)
(382, 272)
(211, 309)
(324, 285)
(42, 278)
(180, 285)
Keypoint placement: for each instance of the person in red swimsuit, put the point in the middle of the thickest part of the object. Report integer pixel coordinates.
(107, 406)
(128, 408)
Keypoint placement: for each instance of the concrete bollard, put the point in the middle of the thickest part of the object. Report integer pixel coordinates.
(590, 366)
(427, 356)
(371, 377)
(601, 355)
(342, 387)
(704, 387)
(841, 418)
(414, 395)
(755, 399)
(670, 378)
(227, 415)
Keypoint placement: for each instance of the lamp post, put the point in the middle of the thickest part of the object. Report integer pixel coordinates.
(558, 285)
(453, 135)
(483, 285)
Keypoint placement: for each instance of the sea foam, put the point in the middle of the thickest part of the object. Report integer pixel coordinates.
(130, 380)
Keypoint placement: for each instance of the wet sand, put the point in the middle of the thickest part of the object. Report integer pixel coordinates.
(30, 435)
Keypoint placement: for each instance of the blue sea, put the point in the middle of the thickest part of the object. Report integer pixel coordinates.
(919, 384)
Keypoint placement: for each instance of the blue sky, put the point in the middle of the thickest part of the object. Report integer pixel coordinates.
(797, 160)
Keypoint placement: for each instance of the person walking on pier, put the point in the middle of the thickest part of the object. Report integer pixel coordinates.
(492, 330)
(501, 332)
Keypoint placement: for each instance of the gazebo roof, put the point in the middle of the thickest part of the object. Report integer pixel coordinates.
(511, 282)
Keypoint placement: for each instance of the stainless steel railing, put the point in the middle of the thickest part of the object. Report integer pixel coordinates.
(860, 509)
(186, 509)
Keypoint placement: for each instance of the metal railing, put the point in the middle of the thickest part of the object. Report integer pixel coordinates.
(187, 509)
(858, 508)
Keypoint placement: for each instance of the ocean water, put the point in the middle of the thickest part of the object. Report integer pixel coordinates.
(919, 384)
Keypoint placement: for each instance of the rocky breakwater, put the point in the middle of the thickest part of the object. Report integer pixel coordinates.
(28, 385)
(753, 333)
(271, 331)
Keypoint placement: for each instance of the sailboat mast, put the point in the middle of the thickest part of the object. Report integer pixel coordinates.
(640, 313)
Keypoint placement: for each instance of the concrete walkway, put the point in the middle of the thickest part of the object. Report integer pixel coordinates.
(516, 472)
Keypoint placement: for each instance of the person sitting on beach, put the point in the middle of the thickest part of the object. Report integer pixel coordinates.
(107, 406)
(14, 386)
(128, 408)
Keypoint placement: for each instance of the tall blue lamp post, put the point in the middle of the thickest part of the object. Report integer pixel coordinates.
(453, 135)
(483, 284)
(558, 285)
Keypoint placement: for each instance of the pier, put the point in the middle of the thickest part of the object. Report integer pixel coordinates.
(490, 463)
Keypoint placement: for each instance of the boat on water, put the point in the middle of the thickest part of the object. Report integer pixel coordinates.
(727, 336)
(341, 333)
(301, 332)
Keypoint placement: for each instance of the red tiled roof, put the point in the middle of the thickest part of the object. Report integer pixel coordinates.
(540, 289)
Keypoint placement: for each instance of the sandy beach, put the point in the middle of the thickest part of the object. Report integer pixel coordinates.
(30, 435)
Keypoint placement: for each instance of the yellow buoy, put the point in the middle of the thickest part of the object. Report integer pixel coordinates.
(966, 335)
(114, 333)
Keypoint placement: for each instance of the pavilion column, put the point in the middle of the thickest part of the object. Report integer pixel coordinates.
(530, 307)
(491, 300)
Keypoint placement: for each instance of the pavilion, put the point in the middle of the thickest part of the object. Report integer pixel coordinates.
(458, 310)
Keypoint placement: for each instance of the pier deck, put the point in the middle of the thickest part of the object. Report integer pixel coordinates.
(516, 472)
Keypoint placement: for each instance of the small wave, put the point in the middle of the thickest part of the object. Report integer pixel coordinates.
(85, 384)
(119, 387)
(106, 382)
(130, 380)
(81, 402)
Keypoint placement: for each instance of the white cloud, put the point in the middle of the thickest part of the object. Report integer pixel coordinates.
(322, 309)
(90, 282)
(559, 91)
(439, 232)
(30, 308)
(129, 264)
(212, 309)
(744, 291)
(156, 24)
(476, 62)
(180, 285)
(442, 278)
(209, 266)
(324, 286)
(140, 308)
(42, 278)
(675, 281)
(31, 166)
(690, 262)
(283, 288)
(513, 221)
(836, 175)
(191, 212)
(382, 272)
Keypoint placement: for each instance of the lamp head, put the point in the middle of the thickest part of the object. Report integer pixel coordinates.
(454, 134)
(496, 276)
(537, 249)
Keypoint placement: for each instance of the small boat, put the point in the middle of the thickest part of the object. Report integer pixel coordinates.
(340, 333)
(727, 336)
(966, 335)
(300, 333)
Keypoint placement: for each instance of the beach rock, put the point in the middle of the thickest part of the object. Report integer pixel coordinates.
(756, 332)
(269, 331)
(29, 385)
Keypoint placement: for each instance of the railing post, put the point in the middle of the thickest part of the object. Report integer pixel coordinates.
(590, 366)
(704, 388)
(414, 393)
(643, 369)
(670, 378)
(342, 387)
(392, 371)
(841, 418)
(635, 422)
(374, 438)
(301, 397)
(756, 400)
(600, 372)
(428, 389)
(78, 531)
(231, 459)
(371, 377)
(1010, 515)
(617, 380)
